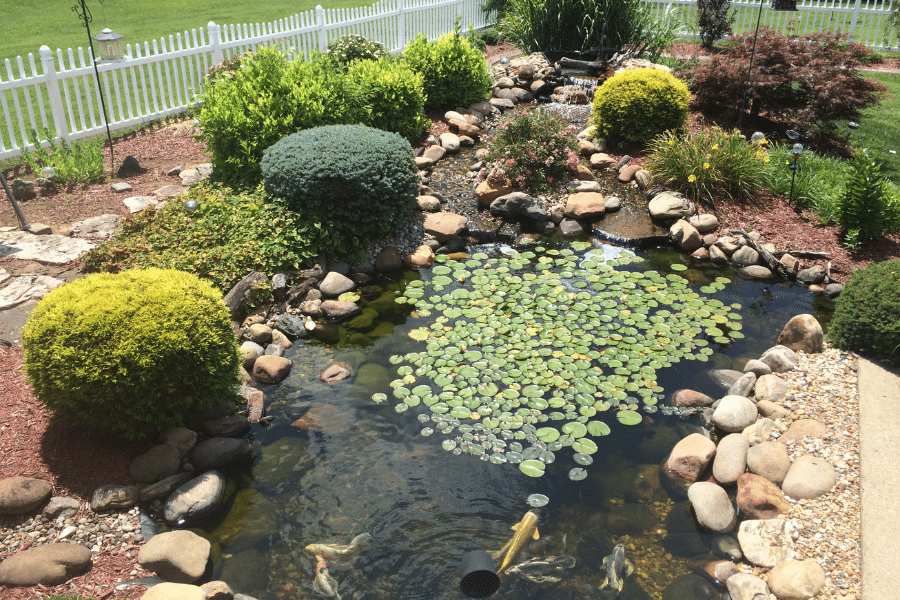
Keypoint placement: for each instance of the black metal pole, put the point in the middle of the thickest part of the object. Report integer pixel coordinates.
(750, 68)
(19, 215)
(84, 12)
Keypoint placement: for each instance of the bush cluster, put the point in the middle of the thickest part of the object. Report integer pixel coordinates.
(230, 235)
(267, 98)
(352, 48)
(636, 105)
(454, 72)
(227, 68)
(867, 208)
(807, 81)
(79, 162)
(709, 164)
(395, 95)
(129, 354)
(532, 150)
(353, 181)
(867, 313)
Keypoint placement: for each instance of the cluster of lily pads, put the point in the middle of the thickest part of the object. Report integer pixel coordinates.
(529, 348)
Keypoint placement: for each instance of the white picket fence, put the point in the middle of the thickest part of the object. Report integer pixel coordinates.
(164, 77)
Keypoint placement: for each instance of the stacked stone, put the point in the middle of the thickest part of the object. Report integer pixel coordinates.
(522, 80)
(746, 483)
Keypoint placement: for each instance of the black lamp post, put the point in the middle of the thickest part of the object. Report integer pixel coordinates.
(84, 13)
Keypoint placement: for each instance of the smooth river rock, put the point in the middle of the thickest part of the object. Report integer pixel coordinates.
(769, 460)
(712, 506)
(50, 564)
(21, 495)
(766, 543)
(734, 413)
(759, 498)
(809, 477)
(802, 333)
(796, 579)
(177, 556)
(731, 458)
(195, 500)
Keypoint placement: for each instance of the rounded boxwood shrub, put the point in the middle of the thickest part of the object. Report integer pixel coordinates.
(395, 95)
(867, 313)
(130, 353)
(454, 72)
(636, 105)
(357, 182)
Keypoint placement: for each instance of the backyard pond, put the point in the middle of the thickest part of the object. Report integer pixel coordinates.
(502, 382)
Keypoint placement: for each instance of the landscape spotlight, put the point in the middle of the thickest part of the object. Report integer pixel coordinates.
(796, 152)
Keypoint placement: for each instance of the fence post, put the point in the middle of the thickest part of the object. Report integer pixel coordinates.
(401, 24)
(320, 23)
(856, 9)
(56, 104)
(215, 40)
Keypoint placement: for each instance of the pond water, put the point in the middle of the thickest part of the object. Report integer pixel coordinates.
(335, 464)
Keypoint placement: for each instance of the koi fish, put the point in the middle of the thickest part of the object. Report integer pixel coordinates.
(341, 553)
(526, 530)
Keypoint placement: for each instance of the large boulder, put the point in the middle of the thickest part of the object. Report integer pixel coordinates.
(218, 452)
(177, 556)
(796, 579)
(519, 205)
(759, 498)
(157, 463)
(273, 369)
(444, 226)
(685, 235)
(780, 359)
(585, 205)
(712, 506)
(50, 564)
(734, 414)
(195, 500)
(487, 192)
(803, 333)
(21, 495)
(809, 477)
(670, 205)
(770, 387)
(689, 459)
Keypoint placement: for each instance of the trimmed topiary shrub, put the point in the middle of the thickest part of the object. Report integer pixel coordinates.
(454, 72)
(130, 353)
(395, 95)
(636, 105)
(867, 313)
(359, 183)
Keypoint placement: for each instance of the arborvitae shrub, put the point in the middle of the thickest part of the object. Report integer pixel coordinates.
(129, 353)
(867, 313)
(395, 95)
(636, 105)
(357, 182)
(454, 72)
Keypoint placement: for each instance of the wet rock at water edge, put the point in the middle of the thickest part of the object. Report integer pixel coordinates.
(780, 359)
(292, 325)
(195, 500)
(220, 452)
(233, 426)
(163, 487)
(689, 458)
(734, 413)
(743, 586)
(712, 506)
(731, 458)
(176, 556)
(21, 495)
(271, 369)
(50, 564)
(182, 438)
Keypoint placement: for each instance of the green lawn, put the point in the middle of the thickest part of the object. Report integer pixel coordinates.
(27, 25)
(879, 129)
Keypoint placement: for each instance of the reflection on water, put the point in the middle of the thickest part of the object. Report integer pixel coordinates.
(335, 465)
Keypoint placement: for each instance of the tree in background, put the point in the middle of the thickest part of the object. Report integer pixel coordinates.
(713, 20)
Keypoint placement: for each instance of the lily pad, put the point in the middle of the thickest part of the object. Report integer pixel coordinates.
(532, 468)
(538, 500)
(628, 417)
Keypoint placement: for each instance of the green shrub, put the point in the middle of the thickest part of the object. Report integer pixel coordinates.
(230, 235)
(79, 162)
(130, 353)
(267, 98)
(353, 47)
(636, 105)
(227, 68)
(357, 182)
(708, 164)
(868, 208)
(532, 150)
(867, 313)
(453, 72)
(395, 95)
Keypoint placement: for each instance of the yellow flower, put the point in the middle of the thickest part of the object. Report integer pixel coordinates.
(715, 147)
(705, 165)
(692, 178)
(765, 159)
(671, 142)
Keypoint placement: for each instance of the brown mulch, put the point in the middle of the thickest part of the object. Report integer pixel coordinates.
(32, 444)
